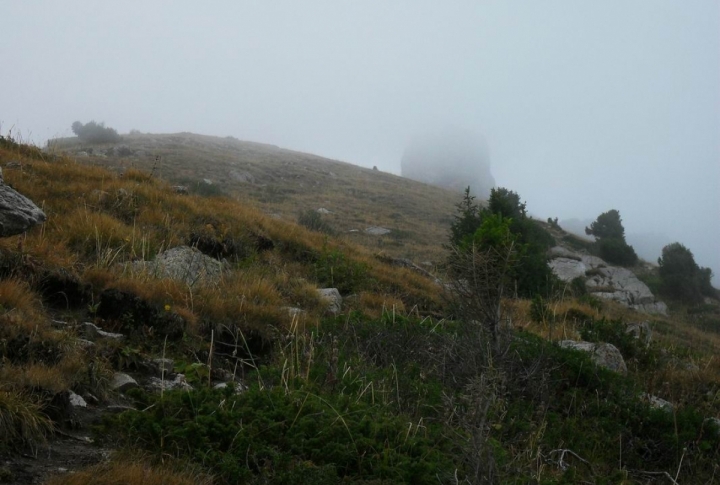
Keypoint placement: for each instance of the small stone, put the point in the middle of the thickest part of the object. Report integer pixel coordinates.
(93, 332)
(323, 210)
(76, 401)
(377, 231)
(122, 382)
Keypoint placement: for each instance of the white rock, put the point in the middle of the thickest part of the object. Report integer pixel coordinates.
(238, 386)
(93, 332)
(332, 298)
(603, 354)
(323, 210)
(76, 400)
(658, 403)
(377, 231)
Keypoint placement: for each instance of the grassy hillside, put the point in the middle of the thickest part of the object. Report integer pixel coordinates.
(396, 388)
(285, 183)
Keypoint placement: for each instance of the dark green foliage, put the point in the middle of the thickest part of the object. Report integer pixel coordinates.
(531, 275)
(616, 251)
(466, 220)
(681, 278)
(313, 220)
(607, 226)
(334, 269)
(507, 203)
(280, 436)
(578, 287)
(610, 235)
(94, 132)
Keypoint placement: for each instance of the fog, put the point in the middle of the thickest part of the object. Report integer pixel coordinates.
(585, 106)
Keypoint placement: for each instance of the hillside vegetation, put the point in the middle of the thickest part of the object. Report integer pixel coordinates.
(285, 183)
(399, 386)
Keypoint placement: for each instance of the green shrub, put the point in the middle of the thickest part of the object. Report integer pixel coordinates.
(616, 251)
(610, 239)
(681, 278)
(94, 132)
(334, 269)
(313, 220)
(280, 436)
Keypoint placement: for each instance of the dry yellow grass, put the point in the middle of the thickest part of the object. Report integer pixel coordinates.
(131, 471)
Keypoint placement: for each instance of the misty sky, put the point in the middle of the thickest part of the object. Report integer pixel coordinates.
(585, 105)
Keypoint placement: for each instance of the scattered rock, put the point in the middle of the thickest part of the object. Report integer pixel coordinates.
(640, 331)
(332, 298)
(119, 408)
(377, 231)
(715, 422)
(122, 382)
(93, 332)
(603, 354)
(242, 176)
(163, 367)
(323, 210)
(185, 264)
(658, 403)
(179, 382)
(293, 311)
(76, 401)
(82, 154)
(17, 212)
(11, 164)
(239, 388)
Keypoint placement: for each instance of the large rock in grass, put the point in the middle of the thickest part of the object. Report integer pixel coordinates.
(603, 354)
(17, 212)
(331, 296)
(185, 264)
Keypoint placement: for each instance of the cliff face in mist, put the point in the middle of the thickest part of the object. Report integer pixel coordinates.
(449, 158)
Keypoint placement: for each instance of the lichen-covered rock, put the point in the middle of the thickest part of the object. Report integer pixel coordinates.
(17, 212)
(603, 354)
(185, 264)
(333, 299)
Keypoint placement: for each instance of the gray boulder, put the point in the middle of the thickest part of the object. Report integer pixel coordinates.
(603, 354)
(184, 264)
(605, 281)
(17, 212)
(333, 299)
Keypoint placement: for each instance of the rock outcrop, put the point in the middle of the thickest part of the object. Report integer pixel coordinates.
(603, 354)
(604, 280)
(17, 212)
